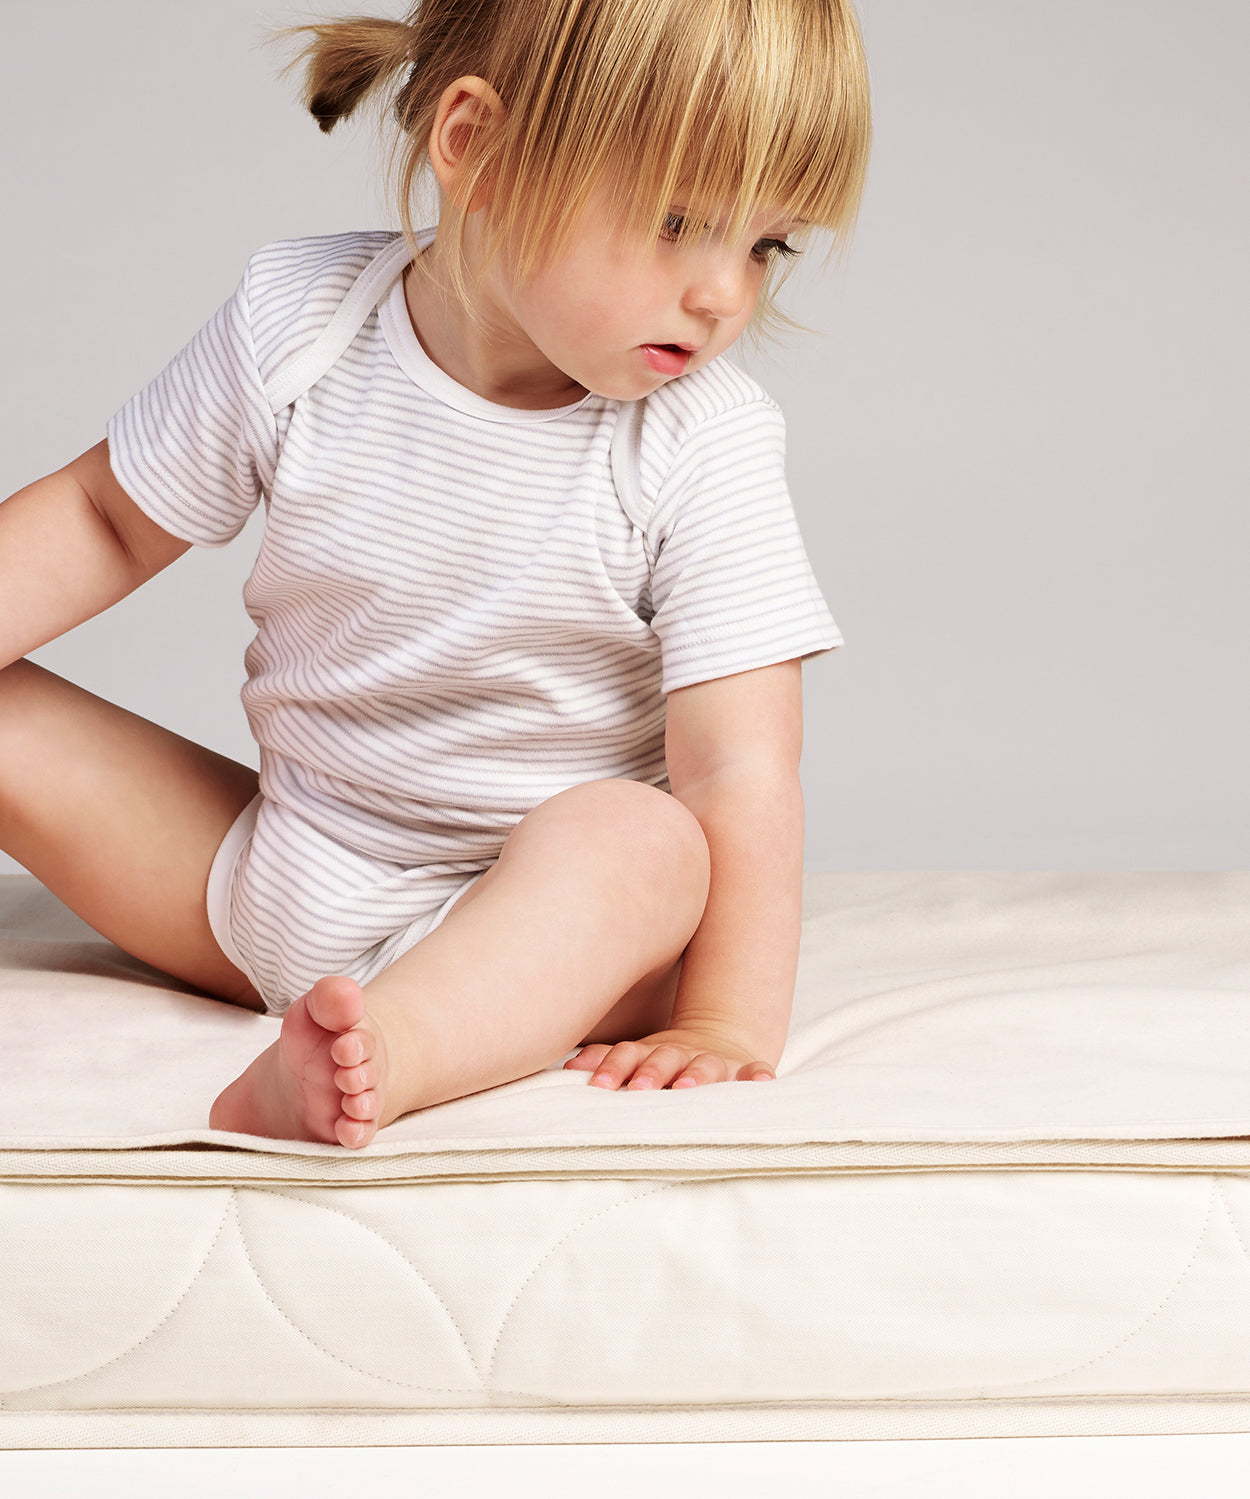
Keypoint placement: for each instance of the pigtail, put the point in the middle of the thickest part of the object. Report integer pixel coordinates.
(348, 60)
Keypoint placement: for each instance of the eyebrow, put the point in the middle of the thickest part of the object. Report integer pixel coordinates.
(683, 211)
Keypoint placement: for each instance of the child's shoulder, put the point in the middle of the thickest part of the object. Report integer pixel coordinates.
(697, 424)
(677, 411)
(333, 258)
(294, 285)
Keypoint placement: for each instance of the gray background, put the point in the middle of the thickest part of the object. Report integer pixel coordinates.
(1012, 432)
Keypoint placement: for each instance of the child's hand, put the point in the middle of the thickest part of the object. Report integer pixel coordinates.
(674, 1058)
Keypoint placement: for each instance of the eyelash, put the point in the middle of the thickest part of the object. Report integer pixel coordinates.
(673, 223)
(778, 247)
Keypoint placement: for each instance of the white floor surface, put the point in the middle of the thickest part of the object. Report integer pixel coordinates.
(1168, 1467)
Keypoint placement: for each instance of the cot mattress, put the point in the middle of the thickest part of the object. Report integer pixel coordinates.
(1001, 1186)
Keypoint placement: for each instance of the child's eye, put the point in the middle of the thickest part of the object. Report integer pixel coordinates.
(763, 251)
(767, 249)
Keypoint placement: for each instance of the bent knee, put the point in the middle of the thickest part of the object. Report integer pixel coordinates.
(661, 834)
(676, 831)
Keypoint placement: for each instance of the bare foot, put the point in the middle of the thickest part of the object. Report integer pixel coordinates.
(324, 1078)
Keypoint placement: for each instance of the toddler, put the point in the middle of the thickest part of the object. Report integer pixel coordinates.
(531, 600)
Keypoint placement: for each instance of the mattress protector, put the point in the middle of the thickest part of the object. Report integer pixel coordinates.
(940, 1019)
(1000, 1186)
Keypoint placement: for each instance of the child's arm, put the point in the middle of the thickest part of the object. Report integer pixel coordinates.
(71, 545)
(733, 749)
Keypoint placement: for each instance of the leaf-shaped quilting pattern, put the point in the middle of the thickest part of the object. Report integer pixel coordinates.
(89, 1272)
(353, 1292)
(879, 1286)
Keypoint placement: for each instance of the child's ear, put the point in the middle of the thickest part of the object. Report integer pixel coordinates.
(468, 112)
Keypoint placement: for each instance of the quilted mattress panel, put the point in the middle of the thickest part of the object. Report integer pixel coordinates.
(956, 1286)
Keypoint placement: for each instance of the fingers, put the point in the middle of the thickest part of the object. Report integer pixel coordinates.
(638, 1066)
(706, 1067)
(588, 1058)
(671, 1066)
(621, 1063)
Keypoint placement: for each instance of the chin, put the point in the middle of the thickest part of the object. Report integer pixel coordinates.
(625, 389)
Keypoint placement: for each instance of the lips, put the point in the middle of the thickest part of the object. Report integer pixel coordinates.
(668, 359)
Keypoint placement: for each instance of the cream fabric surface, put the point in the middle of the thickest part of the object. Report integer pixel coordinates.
(931, 1009)
(1001, 1186)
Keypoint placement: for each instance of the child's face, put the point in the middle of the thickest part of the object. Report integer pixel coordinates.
(602, 312)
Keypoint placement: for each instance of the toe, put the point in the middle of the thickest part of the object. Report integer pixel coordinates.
(354, 1133)
(363, 1106)
(353, 1047)
(336, 1003)
(354, 1079)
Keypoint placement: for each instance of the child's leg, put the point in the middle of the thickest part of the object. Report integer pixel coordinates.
(575, 933)
(120, 819)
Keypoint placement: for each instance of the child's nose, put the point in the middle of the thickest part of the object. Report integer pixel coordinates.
(719, 286)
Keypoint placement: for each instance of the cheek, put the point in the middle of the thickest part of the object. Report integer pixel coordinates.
(548, 314)
(754, 296)
(593, 317)
(573, 302)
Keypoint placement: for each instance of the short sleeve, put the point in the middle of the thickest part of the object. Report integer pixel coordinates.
(731, 586)
(197, 447)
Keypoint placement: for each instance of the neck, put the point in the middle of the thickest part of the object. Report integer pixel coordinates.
(493, 358)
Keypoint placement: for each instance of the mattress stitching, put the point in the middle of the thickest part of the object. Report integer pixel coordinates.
(538, 1264)
(50, 1384)
(1129, 1336)
(1228, 1213)
(325, 1207)
(403, 1384)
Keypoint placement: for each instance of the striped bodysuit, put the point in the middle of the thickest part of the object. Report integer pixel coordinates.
(461, 608)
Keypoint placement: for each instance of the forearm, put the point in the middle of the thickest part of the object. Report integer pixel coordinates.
(739, 969)
(61, 562)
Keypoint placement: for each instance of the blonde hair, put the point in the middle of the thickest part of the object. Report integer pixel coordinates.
(725, 106)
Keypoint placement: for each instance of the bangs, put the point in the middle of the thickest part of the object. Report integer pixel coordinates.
(725, 108)
(770, 114)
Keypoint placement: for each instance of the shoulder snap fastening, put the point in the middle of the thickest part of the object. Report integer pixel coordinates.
(292, 379)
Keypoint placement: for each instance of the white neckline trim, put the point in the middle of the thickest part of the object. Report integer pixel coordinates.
(406, 349)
